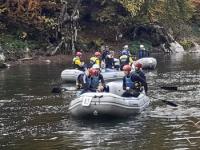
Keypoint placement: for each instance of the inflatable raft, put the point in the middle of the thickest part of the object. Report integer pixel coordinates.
(148, 62)
(108, 104)
(70, 75)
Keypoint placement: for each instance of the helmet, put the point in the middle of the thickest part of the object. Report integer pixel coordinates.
(97, 54)
(95, 66)
(78, 54)
(93, 72)
(126, 46)
(124, 52)
(141, 46)
(138, 65)
(127, 68)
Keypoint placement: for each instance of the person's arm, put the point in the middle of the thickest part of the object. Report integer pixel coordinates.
(102, 80)
(142, 81)
(113, 62)
(143, 76)
(130, 60)
(85, 83)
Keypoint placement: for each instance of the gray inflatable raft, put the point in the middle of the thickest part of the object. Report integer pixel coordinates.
(108, 104)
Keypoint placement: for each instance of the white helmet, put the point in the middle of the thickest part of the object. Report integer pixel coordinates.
(141, 46)
(95, 66)
(126, 46)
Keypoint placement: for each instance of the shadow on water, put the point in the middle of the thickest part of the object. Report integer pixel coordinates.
(33, 118)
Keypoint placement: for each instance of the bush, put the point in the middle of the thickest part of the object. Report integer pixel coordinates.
(187, 44)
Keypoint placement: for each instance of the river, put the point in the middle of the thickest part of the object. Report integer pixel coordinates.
(32, 118)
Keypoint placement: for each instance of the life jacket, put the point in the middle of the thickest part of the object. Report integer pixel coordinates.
(94, 60)
(93, 82)
(129, 83)
(74, 61)
(77, 66)
(124, 59)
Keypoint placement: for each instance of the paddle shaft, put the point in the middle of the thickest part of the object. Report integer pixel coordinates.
(165, 101)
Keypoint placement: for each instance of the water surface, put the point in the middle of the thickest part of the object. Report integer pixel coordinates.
(33, 118)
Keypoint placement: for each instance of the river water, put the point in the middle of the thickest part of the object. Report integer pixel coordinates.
(32, 118)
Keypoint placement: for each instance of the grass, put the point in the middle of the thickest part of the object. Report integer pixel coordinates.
(14, 43)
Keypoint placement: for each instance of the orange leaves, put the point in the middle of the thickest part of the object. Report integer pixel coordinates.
(196, 2)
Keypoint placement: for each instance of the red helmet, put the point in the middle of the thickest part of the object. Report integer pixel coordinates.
(138, 65)
(93, 72)
(127, 68)
(97, 54)
(78, 54)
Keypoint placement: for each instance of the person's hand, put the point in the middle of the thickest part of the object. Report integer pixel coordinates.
(127, 88)
(100, 88)
(136, 84)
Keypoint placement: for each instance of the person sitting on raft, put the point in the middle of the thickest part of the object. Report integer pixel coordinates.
(138, 70)
(92, 81)
(132, 83)
(125, 59)
(109, 60)
(77, 63)
(95, 59)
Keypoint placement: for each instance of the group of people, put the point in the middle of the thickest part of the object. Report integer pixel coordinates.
(91, 80)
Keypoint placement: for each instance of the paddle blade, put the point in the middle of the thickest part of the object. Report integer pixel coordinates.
(172, 88)
(56, 90)
(170, 103)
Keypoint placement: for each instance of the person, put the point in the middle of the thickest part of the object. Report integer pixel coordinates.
(116, 64)
(138, 70)
(78, 64)
(93, 81)
(143, 52)
(126, 48)
(125, 59)
(80, 79)
(95, 59)
(109, 60)
(132, 83)
(105, 53)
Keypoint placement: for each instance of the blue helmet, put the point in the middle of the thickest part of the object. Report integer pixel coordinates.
(124, 52)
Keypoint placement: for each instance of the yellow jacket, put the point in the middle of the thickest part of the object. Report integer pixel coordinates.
(95, 60)
(77, 61)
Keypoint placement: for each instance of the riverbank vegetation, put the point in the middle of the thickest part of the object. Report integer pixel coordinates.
(62, 26)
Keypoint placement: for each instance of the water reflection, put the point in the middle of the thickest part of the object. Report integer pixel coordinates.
(32, 118)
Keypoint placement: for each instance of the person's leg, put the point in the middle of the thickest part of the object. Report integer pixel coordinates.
(135, 94)
(126, 94)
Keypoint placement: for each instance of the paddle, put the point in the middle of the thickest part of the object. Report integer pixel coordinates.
(172, 88)
(58, 90)
(175, 88)
(165, 101)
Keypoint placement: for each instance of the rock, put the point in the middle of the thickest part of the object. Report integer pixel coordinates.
(158, 36)
(48, 61)
(27, 53)
(195, 49)
(175, 47)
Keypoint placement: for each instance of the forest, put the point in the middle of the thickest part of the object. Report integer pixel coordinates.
(48, 27)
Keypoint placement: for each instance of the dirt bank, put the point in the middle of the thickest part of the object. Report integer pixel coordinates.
(57, 59)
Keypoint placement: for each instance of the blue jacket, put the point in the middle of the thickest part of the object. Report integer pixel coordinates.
(134, 78)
